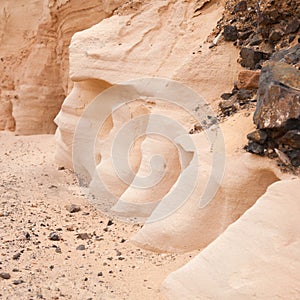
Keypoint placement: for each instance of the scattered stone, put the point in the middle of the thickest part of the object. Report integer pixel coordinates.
(230, 33)
(27, 236)
(241, 6)
(294, 156)
(255, 148)
(290, 56)
(5, 275)
(245, 35)
(80, 247)
(275, 36)
(292, 138)
(17, 256)
(73, 208)
(248, 80)
(18, 281)
(83, 236)
(255, 40)
(70, 228)
(61, 168)
(251, 58)
(243, 95)
(4, 214)
(258, 136)
(109, 223)
(293, 26)
(100, 274)
(54, 236)
(228, 106)
(57, 250)
(226, 96)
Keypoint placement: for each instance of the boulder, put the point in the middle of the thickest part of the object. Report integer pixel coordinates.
(251, 58)
(257, 257)
(278, 95)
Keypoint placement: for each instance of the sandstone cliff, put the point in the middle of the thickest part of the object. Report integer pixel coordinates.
(35, 36)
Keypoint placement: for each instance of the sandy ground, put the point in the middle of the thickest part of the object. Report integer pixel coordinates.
(33, 198)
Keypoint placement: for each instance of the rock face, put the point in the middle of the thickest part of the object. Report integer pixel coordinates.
(125, 47)
(35, 36)
(257, 257)
(277, 114)
(191, 227)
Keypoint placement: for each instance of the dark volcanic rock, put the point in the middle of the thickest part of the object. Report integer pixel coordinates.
(241, 6)
(256, 40)
(251, 58)
(230, 33)
(292, 138)
(293, 26)
(294, 156)
(5, 275)
(258, 136)
(226, 96)
(244, 94)
(278, 95)
(277, 114)
(255, 148)
(54, 236)
(290, 56)
(275, 36)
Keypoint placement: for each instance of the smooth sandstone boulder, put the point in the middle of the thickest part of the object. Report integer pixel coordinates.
(246, 178)
(257, 257)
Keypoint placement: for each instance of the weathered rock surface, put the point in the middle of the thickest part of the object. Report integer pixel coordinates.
(191, 227)
(124, 47)
(279, 88)
(257, 257)
(277, 114)
(35, 36)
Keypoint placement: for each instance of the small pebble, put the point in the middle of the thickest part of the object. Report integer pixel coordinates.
(17, 256)
(73, 208)
(80, 247)
(18, 281)
(54, 236)
(5, 275)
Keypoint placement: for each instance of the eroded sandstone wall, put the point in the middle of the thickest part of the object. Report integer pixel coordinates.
(35, 36)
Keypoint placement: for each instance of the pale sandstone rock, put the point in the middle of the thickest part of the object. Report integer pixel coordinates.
(154, 39)
(35, 36)
(257, 257)
(245, 179)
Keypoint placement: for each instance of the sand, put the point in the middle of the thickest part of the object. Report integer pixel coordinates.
(34, 194)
